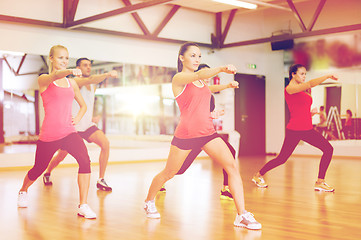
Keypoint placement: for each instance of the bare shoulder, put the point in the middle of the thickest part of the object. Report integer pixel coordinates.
(43, 76)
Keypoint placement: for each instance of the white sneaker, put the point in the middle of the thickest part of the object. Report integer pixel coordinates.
(85, 211)
(247, 220)
(151, 210)
(23, 199)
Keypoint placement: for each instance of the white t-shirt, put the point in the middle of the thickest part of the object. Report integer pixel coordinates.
(86, 121)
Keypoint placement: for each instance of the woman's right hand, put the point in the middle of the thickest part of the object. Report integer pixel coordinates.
(76, 72)
(231, 69)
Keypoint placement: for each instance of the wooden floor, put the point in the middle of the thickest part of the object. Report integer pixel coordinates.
(191, 208)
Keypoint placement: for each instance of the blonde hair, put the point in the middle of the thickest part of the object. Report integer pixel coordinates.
(51, 54)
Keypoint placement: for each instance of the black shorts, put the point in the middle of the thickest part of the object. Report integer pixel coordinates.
(86, 134)
(193, 143)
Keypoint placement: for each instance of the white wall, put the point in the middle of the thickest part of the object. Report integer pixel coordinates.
(38, 40)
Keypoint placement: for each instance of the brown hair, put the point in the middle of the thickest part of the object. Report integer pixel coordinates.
(51, 54)
(182, 50)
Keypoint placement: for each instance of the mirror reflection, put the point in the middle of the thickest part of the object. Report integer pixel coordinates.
(138, 102)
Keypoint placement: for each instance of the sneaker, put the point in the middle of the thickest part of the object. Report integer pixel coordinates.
(162, 189)
(226, 194)
(85, 211)
(23, 199)
(247, 220)
(259, 181)
(323, 187)
(102, 185)
(151, 210)
(46, 179)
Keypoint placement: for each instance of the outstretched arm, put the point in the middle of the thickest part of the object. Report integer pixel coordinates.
(296, 88)
(95, 79)
(218, 88)
(183, 78)
(45, 79)
(79, 98)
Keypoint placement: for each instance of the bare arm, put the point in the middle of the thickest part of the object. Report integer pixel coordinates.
(183, 78)
(95, 79)
(45, 79)
(296, 88)
(79, 98)
(218, 88)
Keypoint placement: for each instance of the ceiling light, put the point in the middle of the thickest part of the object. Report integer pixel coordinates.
(238, 3)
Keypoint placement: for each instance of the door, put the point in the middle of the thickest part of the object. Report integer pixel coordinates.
(250, 114)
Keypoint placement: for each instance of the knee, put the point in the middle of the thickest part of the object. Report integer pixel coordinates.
(231, 168)
(105, 145)
(35, 172)
(84, 165)
(169, 174)
(329, 149)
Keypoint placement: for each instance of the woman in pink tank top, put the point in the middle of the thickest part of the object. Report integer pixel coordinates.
(195, 130)
(300, 127)
(58, 131)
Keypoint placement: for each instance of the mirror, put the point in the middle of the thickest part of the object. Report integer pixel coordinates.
(138, 102)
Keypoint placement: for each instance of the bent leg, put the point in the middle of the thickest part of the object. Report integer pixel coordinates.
(99, 138)
(75, 146)
(175, 160)
(218, 150)
(233, 151)
(292, 138)
(317, 140)
(189, 160)
(44, 152)
(57, 158)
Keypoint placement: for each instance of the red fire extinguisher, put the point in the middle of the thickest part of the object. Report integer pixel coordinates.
(216, 80)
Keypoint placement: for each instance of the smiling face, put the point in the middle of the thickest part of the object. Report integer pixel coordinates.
(59, 58)
(300, 75)
(191, 58)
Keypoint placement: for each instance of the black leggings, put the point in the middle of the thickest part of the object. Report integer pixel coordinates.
(292, 139)
(72, 143)
(194, 153)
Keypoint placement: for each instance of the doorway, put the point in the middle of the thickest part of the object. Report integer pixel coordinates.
(250, 113)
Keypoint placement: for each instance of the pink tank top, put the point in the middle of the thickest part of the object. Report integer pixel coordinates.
(195, 119)
(299, 105)
(57, 102)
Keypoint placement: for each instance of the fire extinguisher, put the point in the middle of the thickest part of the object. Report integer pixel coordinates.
(216, 80)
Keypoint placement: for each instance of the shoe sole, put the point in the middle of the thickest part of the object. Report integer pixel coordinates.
(153, 217)
(107, 189)
(226, 198)
(244, 226)
(259, 185)
(81, 215)
(323, 190)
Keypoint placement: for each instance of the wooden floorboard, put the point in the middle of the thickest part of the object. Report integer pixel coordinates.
(191, 208)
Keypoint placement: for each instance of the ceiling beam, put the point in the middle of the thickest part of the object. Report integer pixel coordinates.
(65, 12)
(228, 25)
(29, 21)
(166, 20)
(118, 11)
(347, 28)
(316, 15)
(138, 36)
(21, 63)
(137, 19)
(72, 10)
(297, 15)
